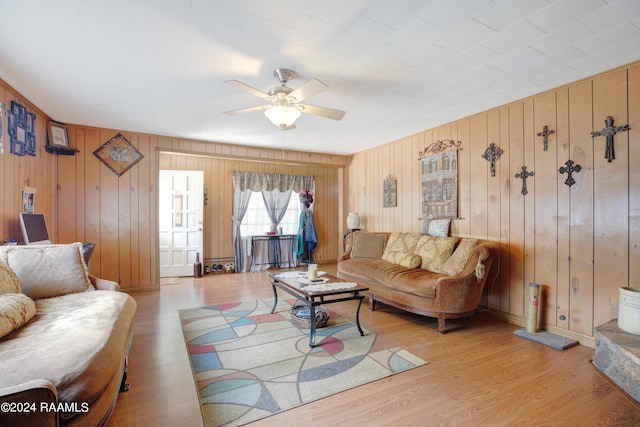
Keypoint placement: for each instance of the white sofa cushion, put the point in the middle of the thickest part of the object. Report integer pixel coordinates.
(48, 270)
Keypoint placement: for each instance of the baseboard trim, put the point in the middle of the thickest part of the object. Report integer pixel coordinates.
(522, 321)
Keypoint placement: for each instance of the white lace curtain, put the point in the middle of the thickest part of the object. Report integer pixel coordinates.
(275, 189)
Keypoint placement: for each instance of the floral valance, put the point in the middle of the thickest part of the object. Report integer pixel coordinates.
(258, 181)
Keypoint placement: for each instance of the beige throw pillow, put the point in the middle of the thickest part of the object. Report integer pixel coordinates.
(434, 251)
(367, 245)
(15, 310)
(400, 242)
(456, 262)
(9, 282)
(405, 259)
(48, 270)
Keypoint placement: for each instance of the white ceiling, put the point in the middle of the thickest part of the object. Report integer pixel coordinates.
(396, 67)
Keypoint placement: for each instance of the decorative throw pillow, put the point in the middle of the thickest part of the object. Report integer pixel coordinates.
(367, 245)
(48, 270)
(436, 227)
(405, 259)
(9, 282)
(434, 251)
(15, 310)
(456, 262)
(400, 242)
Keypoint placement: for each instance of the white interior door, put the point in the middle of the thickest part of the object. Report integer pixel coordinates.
(180, 223)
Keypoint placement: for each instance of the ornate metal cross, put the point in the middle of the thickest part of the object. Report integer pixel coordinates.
(609, 131)
(545, 136)
(569, 170)
(524, 174)
(491, 154)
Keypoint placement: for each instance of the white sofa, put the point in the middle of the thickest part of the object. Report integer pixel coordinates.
(64, 338)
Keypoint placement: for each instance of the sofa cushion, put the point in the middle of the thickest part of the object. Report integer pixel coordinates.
(458, 260)
(405, 259)
(434, 251)
(367, 245)
(48, 270)
(400, 242)
(15, 311)
(9, 282)
(76, 341)
(414, 281)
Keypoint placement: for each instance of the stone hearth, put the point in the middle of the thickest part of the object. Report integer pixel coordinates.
(618, 357)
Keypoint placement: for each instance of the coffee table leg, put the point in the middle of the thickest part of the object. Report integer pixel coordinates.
(312, 319)
(275, 297)
(358, 316)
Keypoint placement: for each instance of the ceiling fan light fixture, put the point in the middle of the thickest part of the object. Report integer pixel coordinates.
(282, 115)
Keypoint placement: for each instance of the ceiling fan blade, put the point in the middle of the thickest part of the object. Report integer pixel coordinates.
(248, 109)
(307, 90)
(328, 113)
(245, 87)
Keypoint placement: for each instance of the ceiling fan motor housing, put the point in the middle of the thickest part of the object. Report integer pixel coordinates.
(284, 75)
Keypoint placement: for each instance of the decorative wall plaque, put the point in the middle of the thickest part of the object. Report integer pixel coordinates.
(390, 192)
(118, 154)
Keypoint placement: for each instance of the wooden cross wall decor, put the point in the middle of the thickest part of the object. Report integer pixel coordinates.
(545, 136)
(569, 170)
(491, 154)
(609, 131)
(524, 174)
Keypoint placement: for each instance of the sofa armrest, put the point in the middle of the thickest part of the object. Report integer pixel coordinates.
(104, 284)
(29, 404)
(461, 293)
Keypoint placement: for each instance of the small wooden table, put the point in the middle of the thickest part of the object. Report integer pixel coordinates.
(312, 298)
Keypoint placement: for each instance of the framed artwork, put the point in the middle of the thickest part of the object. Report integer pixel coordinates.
(57, 134)
(440, 185)
(30, 139)
(118, 154)
(390, 192)
(28, 199)
(18, 128)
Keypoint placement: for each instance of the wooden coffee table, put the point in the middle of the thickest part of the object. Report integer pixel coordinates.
(287, 280)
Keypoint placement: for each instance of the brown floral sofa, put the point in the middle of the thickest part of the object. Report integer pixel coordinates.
(441, 277)
(64, 338)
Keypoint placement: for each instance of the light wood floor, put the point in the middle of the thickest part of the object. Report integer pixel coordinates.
(479, 372)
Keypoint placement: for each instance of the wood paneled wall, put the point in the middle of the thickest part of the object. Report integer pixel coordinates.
(580, 243)
(120, 214)
(16, 172)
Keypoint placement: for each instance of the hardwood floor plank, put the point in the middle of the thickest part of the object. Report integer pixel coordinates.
(479, 372)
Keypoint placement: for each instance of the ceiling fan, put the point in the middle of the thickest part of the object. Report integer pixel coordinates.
(285, 103)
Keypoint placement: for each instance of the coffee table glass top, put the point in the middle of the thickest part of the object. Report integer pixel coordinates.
(325, 285)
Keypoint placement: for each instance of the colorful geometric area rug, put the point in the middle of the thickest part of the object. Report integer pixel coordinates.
(249, 364)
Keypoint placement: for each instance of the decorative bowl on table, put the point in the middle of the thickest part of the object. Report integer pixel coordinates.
(301, 314)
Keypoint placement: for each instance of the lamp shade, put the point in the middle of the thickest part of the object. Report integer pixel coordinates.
(282, 115)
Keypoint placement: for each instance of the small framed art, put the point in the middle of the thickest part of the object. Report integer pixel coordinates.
(57, 134)
(118, 154)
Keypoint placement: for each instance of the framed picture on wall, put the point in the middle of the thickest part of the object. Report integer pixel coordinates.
(440, 185)
(57, 135)
(118, 154)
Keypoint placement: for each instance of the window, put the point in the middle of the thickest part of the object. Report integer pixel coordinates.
(256, 221)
